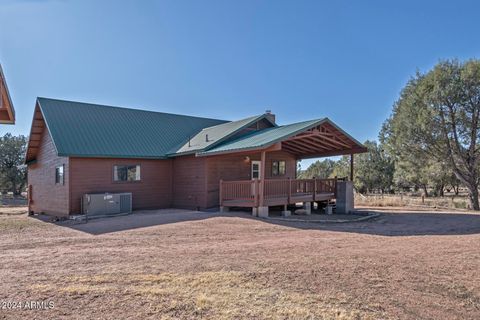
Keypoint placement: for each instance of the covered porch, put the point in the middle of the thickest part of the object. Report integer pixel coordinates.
(312, 139)
(275, 192)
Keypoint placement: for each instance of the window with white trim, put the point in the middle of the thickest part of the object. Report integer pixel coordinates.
(59, 174)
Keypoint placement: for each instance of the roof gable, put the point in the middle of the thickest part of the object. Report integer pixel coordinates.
(264, 137)
(90, 130)
(7, 112)
(212, 136)
(268, 137)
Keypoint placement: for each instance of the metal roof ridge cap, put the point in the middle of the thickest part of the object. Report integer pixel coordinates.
(228, 122)
(129, 108)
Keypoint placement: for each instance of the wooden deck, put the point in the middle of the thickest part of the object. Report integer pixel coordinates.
(275, 192)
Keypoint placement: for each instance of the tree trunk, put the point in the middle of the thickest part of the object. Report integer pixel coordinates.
(473, 195)
(425, 190)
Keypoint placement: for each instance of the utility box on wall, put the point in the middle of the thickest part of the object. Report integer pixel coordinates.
(345, 197)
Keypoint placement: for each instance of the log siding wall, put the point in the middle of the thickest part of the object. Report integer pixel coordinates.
(153, 191)
(234, 167)
(187, 182)
(47, 196)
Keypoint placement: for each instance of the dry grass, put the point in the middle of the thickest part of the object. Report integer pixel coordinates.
(401, 266)
(220, 295)
(15, 220)
(411, 201)
(7, 210)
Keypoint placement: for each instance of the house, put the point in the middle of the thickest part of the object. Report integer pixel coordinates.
(7, 112)
(170, 160)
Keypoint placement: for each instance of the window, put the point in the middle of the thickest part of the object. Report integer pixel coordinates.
(281, 168)
(59, 176)
(278, 168)
(126, 173)
(255, 169)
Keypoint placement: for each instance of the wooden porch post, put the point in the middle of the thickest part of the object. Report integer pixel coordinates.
(289, 190)
(262, 179)
(351, 167)
(255, 196)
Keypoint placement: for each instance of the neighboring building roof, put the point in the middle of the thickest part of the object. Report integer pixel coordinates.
(7, 112)
(89, 130)
(213, 136)
(264, 137)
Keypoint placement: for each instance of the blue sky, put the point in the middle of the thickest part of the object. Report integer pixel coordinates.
(347, 60)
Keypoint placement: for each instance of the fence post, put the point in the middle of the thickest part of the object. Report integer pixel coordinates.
(289, 189)
(314, 187)
(256, 191)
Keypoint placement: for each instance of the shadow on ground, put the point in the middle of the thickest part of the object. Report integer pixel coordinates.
(136, 220)
(404, 224)
(388, 224)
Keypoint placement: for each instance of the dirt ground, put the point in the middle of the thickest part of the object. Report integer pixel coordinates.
(179, 264)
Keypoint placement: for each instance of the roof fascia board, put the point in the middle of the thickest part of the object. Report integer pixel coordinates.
(272, 147)
(37, 104)
(47, 126)
(71, 155)
(336, 153)
(344, 132)
(10, 110)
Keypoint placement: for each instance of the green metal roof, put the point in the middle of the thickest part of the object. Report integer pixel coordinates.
(265, 137)
(209, 137)
(90, 130)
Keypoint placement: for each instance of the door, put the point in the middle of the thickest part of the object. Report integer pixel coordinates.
(255, 172)
(256, 167)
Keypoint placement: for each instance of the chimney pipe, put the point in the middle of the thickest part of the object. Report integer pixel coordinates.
(269, 115)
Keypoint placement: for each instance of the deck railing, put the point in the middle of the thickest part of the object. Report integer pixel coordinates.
(244, 190)
(249, 190)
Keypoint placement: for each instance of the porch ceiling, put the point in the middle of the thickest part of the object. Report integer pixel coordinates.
(309, 139)
(322, 141)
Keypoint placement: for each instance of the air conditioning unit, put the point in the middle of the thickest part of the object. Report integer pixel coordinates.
(103, 204)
